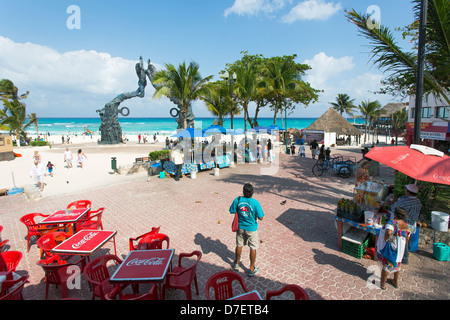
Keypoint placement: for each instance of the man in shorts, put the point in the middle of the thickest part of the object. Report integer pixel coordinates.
(68, 158)
(249, 212)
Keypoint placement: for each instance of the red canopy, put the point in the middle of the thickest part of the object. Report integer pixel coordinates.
(418, 162)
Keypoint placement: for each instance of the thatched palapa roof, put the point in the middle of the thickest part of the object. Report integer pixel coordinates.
(391, 108)
(332, 121)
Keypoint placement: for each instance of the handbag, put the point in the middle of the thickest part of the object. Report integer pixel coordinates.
(235, 224)
(389, 253)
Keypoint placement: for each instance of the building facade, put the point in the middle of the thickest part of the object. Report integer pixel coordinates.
(435, 124)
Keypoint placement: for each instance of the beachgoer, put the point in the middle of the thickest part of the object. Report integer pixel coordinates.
(37, 171)
(37, 156)
(413, 205)
(81, 157)
(314, 147)
(259, 151)
(302, 150)
(167, 142)
(362, 173)
(249, 212)
(397, 232)
(269, 150)
(322, 153)
(62, 139)
(68, 158)
(139, 138)
(50, 167)
(293, 149)
(177, 157)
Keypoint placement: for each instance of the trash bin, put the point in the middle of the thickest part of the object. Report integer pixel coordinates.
(114, 163)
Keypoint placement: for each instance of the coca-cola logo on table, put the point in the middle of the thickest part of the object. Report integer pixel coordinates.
(146, 262)
(443, 178)
(85, 239)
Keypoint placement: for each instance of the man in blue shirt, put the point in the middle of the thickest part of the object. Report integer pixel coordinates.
(249, 212)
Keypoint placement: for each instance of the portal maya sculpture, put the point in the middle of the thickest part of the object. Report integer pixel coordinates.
(111, 132)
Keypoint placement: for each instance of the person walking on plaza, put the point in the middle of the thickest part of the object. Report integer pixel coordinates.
(177, 157)
(413, 205)
(395, 232)
(314, 147)
(301, 149)
(249, 212)
(269, 150)
(38, 172)
(68, 158)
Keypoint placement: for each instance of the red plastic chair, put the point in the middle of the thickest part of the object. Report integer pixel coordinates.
(50, 240)
(93, 222)
(14, 290)
(181, 277)
(57, 272)
(222, 284)
(152, 294)
(79, 204)
(9, 260)
(29, 221)
(145, 241)
(299, 292)
(3, 245)
(97, 274)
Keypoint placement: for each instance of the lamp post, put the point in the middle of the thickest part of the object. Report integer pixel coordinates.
(420, 67)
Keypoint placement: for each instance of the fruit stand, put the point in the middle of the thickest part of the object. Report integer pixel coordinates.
(358, 218)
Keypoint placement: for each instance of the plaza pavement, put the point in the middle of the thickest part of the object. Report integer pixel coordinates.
(298, 238)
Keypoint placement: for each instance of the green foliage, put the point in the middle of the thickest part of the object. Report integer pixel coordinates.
(158, 155)
(38, 143)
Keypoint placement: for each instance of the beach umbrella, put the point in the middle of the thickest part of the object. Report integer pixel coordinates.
(235, 132)
(190, 133)
(275, 127)
(215, 129)
(416, 161)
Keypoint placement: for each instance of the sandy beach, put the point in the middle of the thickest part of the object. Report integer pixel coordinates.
(96, 169)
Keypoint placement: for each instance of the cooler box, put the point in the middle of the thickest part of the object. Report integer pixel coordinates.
(414, 241)
(441, 251)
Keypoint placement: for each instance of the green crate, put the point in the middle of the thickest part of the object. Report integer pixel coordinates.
(353, 249)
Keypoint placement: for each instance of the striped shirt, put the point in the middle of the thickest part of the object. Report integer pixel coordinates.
(412, 205)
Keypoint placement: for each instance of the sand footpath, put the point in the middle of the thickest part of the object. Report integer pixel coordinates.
(96, 169)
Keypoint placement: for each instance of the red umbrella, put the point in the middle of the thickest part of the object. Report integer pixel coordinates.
(418, 162)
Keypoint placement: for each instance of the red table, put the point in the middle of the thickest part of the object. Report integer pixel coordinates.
(144, 266)
(252, 295)
(85, 242)
(65, 216)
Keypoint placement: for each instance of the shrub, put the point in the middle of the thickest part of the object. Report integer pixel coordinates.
(38, 143)
(158, 155)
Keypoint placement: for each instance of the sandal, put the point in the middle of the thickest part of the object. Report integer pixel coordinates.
(235, 267)
(391, 282)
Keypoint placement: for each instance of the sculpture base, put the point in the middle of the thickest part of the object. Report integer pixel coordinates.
(110, 142)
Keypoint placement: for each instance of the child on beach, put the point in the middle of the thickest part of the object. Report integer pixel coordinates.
(50, 168)
(81, 157)
(293, 149)
(68, 158)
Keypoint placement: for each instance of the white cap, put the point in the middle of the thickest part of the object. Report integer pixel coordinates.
(412, 188)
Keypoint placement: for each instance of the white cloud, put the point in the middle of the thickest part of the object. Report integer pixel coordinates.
(74, 79)
(253, 7)
(325, 67)
(312, 10)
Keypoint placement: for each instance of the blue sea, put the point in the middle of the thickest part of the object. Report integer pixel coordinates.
(133, 126)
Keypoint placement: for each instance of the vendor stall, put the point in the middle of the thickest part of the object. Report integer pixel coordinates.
(187, 168)
(358, 221)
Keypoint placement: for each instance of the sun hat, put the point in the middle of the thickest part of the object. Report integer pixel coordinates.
(412, 188)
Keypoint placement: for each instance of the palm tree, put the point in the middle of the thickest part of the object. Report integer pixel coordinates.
(182, 85)
(246, 84)
(399, 120)
(370, 111)
(343, 104)
(13, 117)
(217, 99)
(387, 55)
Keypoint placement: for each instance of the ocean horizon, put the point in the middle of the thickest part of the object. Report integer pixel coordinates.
(167, 125)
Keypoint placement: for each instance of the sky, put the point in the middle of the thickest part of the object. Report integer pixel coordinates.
(76, 56)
